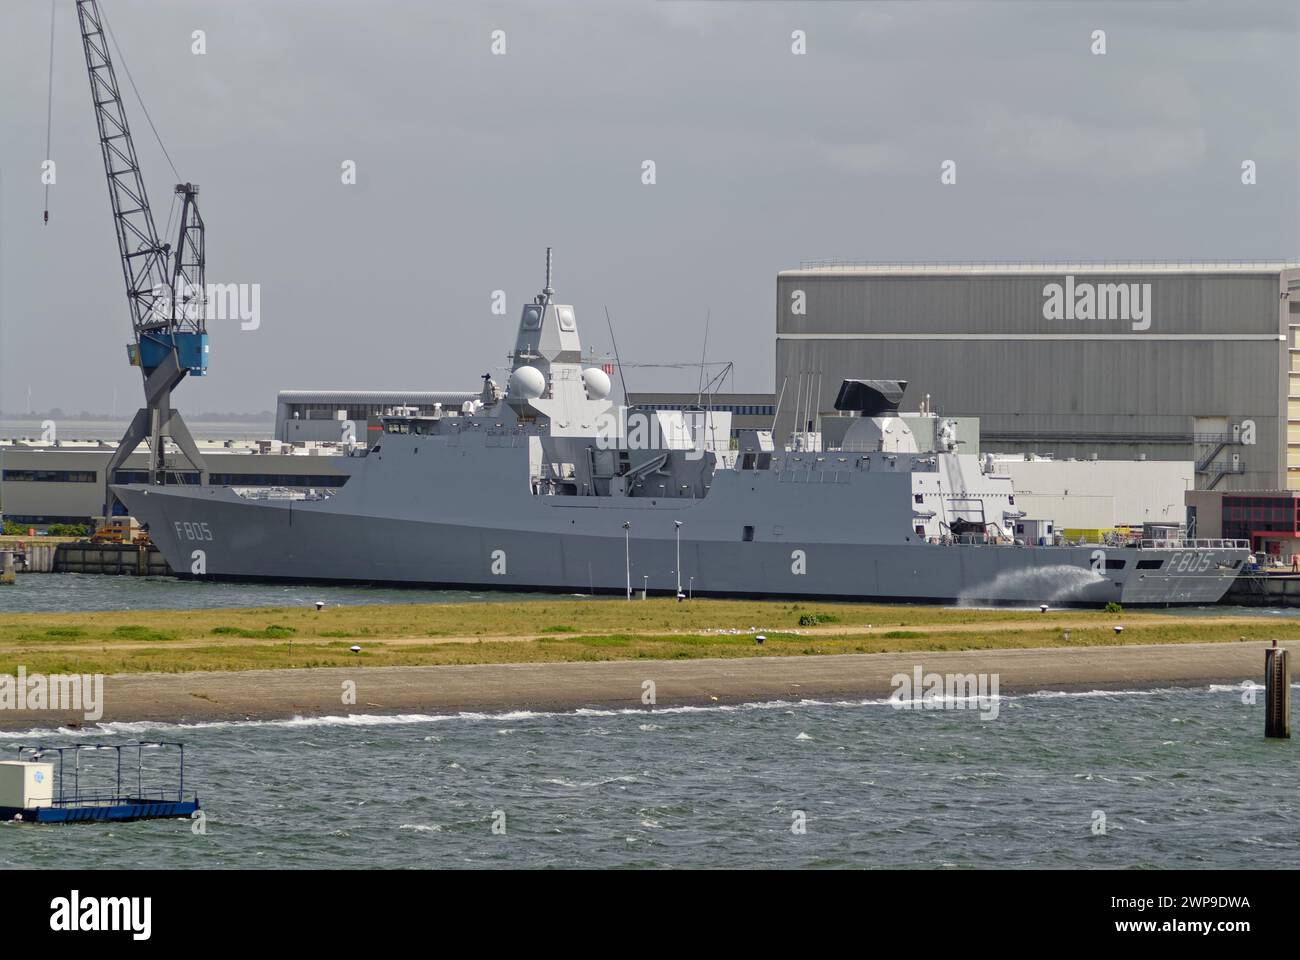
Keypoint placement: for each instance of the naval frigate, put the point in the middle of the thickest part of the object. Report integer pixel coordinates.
(547, 484)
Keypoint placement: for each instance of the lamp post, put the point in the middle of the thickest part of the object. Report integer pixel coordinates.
(678, 525)
(627, 555)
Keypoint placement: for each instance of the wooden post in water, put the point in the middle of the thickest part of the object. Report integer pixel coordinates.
(7, 567)
(1277, 692)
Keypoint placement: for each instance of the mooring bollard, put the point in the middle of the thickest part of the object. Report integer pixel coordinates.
(1277, 692)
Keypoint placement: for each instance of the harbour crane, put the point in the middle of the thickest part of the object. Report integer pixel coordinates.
(165, 286)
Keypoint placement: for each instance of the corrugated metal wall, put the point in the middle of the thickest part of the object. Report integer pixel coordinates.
(1120, 397)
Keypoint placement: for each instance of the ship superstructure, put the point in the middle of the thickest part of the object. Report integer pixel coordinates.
(548, 484)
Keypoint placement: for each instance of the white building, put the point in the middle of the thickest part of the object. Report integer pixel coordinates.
(1098, 494)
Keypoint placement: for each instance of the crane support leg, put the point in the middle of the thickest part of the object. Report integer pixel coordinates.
(153, 423)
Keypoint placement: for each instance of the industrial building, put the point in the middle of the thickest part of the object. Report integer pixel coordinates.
(749, 411)
(1167, 361)
(306, 415)
(1269, 519)
(1090, 497)
(43, 483)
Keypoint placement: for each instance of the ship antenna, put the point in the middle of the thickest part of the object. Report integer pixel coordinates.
(777, 412)
(704, 352)
(622, 380)
(547, 290)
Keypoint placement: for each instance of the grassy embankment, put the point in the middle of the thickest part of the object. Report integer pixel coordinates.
(536, 631)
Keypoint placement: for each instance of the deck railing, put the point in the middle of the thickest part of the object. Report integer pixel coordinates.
(1007, 265)
(1193, 544)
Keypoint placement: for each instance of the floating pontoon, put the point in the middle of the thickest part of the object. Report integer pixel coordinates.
(34, 789)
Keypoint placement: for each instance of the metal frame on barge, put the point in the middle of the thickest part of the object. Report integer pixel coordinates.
(68, 803)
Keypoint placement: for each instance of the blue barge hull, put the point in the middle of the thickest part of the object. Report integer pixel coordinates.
(115, 812)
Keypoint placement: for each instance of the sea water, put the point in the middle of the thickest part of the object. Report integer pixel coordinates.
(1141, 778)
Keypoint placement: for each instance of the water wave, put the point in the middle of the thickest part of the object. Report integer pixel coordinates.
(140, 727)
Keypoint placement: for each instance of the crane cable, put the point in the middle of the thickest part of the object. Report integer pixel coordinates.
(49, 104)
(171, 215)
(49, 110)
(138, 99)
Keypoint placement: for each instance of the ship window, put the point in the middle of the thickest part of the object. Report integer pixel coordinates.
(1115, 564)
(748, 535)
(920, 530)
(1149, 564)
(916, 497)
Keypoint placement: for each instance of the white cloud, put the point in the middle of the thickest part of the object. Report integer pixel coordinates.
(865, 158)
(1036, 142)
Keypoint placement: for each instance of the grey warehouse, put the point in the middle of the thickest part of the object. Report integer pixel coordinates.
(1162, 361)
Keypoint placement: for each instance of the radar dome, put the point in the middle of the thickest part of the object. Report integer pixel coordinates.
(597, 383)
(527, 383)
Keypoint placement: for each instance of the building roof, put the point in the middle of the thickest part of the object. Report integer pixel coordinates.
(690, 396)
(298, 448)
(409, 397)
(836, 268)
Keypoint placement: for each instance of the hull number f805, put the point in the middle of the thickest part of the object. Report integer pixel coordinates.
(192, 531)
(1189, 563)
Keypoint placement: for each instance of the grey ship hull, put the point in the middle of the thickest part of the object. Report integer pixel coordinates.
(577, 545)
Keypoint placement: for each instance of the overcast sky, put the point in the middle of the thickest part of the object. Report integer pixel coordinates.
(470, 164)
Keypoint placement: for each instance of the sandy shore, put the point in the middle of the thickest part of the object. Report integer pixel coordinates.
(278, 694)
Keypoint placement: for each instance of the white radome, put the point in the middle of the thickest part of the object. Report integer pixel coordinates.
(528, 383)
(597, 383)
